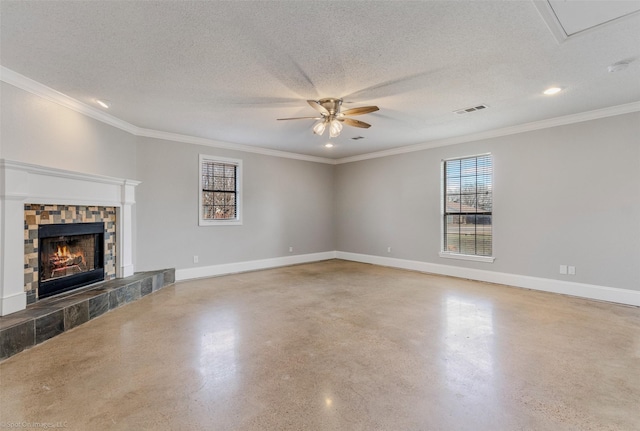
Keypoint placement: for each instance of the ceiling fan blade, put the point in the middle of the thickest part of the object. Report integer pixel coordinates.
(318, 107)
(355, 123)
(360, 111)
(301, 118)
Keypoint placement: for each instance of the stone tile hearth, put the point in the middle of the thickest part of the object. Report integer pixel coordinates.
(52, 316)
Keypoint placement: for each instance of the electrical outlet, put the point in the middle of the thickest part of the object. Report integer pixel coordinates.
(572, 270)
(563, 269)
(388, 249)
(290, 249)
(195, 259)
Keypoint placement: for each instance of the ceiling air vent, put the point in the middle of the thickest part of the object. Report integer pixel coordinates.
(468, 110)
(358, 137)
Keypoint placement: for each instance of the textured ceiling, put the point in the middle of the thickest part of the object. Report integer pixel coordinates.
(226, 70)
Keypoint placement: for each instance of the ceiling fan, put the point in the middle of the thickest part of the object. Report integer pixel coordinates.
(332, 116)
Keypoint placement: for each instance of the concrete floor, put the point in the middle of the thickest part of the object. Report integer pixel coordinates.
(336, 345)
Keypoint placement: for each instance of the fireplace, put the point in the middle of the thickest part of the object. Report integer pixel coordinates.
(70, 256)
(32, 195)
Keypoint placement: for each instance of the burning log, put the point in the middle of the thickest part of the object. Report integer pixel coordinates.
(61, 261)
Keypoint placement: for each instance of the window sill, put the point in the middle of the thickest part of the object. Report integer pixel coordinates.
(220, 223)
(486, 259)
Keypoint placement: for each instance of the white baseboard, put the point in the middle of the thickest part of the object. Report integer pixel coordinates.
(12, 303)
(590, 291)
(126, 271)
(251, 265)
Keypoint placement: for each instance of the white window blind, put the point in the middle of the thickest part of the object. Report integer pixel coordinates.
(219, 191)
(468, 206)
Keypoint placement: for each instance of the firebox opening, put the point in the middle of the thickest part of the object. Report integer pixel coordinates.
(63, 256)
(71, 256)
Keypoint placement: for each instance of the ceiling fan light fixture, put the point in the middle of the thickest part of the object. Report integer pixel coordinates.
(335, 128)
(318, 129)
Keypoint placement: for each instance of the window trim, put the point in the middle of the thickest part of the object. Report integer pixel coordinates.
(220, 222)
(459, 256)
(472, 257)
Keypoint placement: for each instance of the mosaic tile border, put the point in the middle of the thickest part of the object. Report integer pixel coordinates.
(37, 214)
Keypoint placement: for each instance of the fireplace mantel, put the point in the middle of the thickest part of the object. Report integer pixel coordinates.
(22, 183)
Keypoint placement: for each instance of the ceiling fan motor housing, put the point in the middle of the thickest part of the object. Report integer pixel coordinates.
(331, 104)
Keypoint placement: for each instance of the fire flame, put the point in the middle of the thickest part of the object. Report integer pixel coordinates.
(63, 252)
(64, 257)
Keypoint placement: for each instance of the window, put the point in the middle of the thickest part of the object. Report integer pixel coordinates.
(467, 208)
(220, 191)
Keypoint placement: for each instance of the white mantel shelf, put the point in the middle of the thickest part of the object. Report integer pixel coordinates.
(22, 183)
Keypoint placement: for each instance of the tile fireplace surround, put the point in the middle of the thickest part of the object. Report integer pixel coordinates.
(41, 215)
(24, 184)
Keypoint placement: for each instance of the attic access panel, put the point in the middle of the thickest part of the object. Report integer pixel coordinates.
(568, 18)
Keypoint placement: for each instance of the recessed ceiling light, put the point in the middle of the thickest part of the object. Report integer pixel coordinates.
(104, 103)
(328, 145)
(552, 90)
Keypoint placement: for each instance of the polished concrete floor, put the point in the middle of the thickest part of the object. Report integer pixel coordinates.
(336, 345)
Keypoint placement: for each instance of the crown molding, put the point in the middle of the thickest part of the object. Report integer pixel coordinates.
(48, 93)
(176, 137)
(34, 87)
(512, 130)
(41, 90)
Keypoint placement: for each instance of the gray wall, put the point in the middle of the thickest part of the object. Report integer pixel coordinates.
(35, 130)
(286, 203)
(564, 195)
